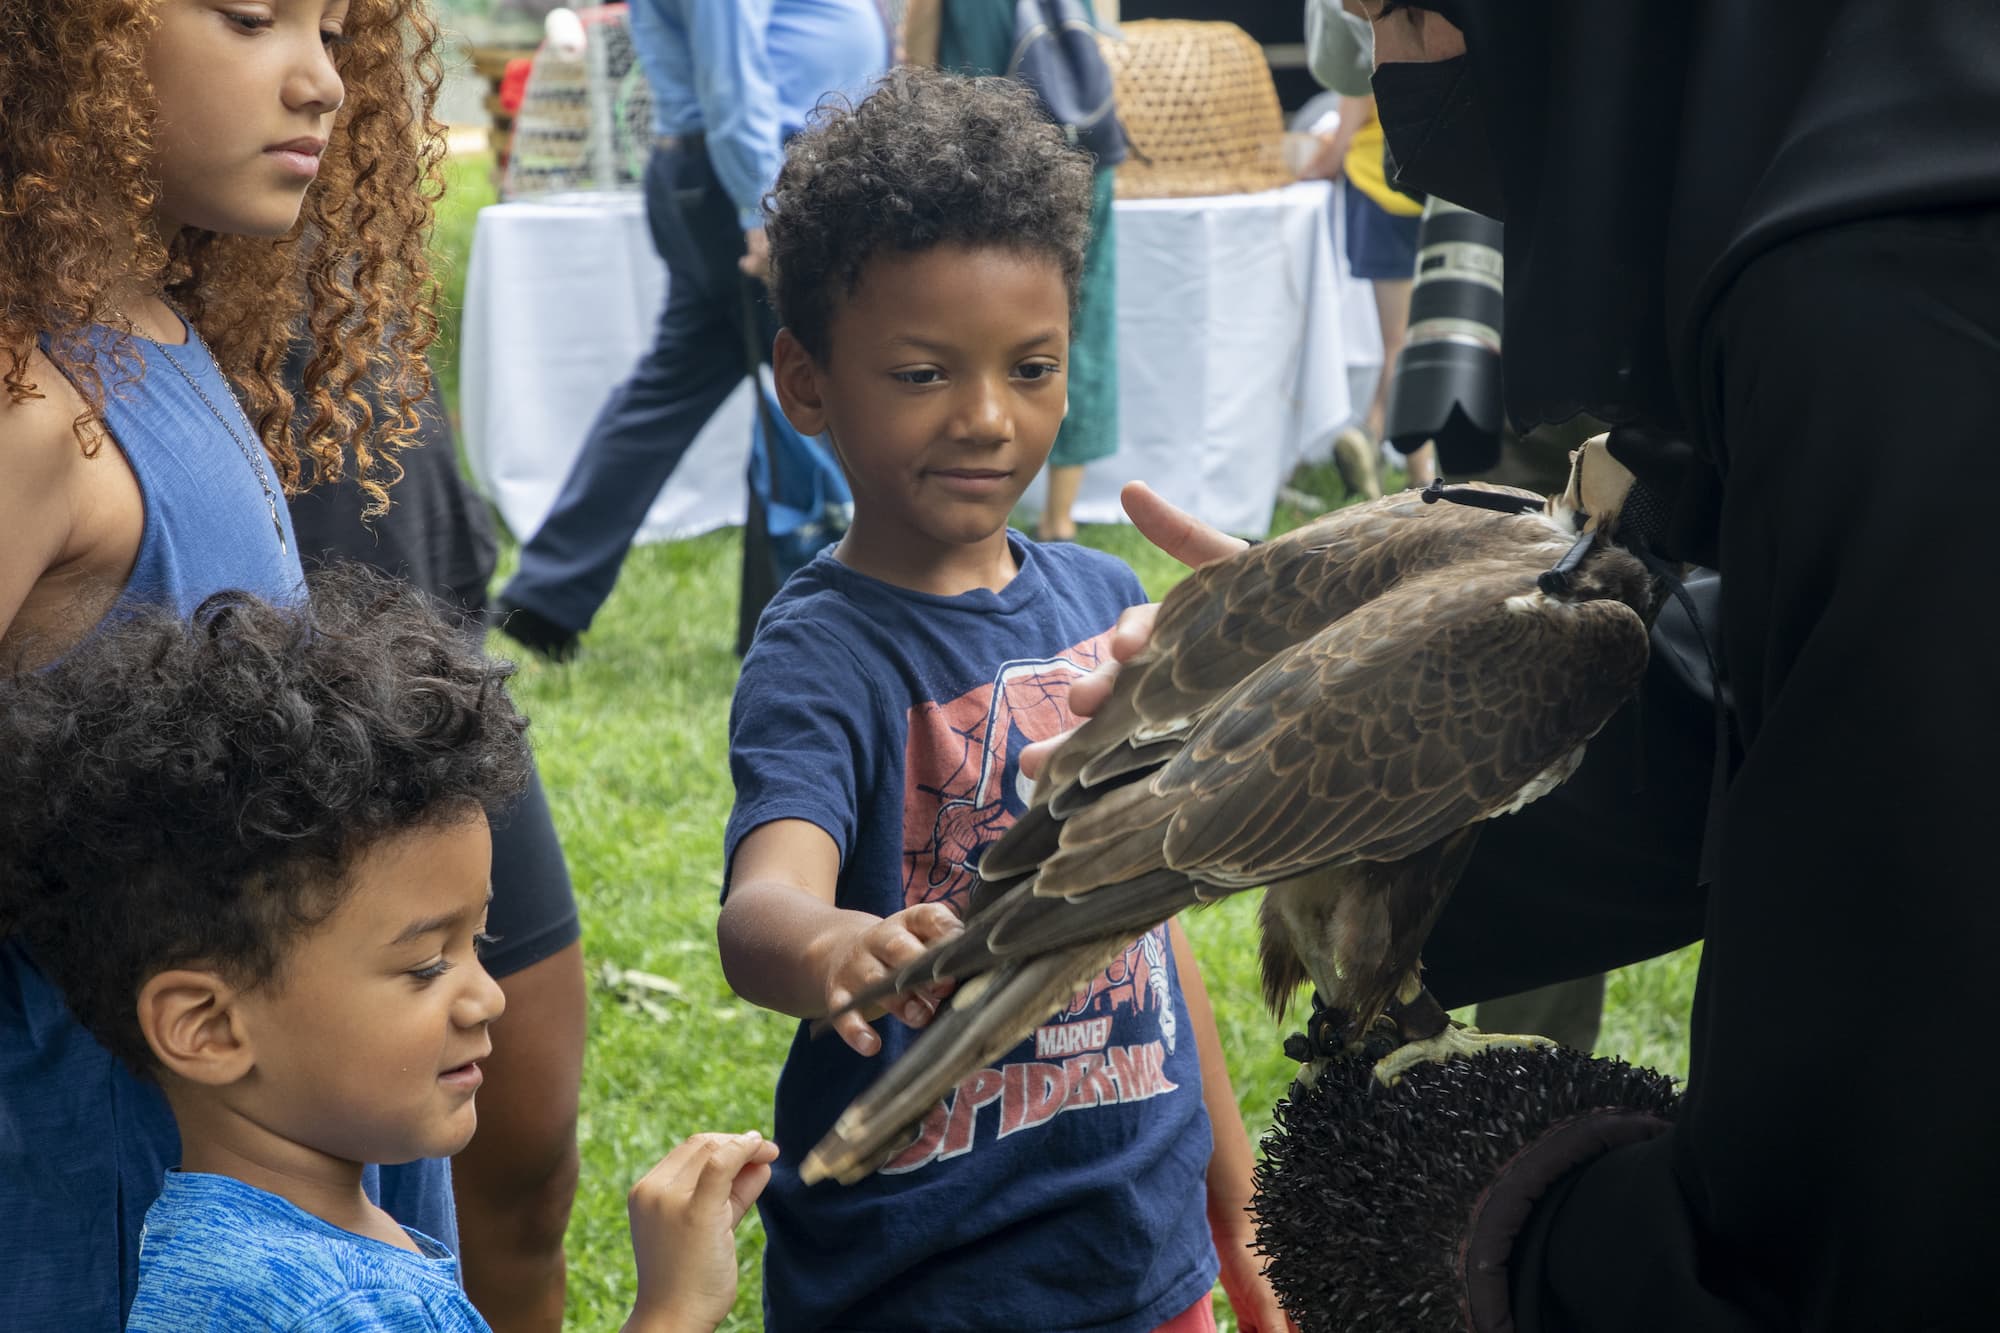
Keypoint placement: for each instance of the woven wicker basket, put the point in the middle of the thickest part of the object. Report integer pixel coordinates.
(1199, 104)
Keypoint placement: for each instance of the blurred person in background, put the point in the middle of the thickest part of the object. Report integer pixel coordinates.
(1381, 226)
(731, 81)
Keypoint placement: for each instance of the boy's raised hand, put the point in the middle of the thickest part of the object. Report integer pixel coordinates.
(684, 1214)
(872, 956)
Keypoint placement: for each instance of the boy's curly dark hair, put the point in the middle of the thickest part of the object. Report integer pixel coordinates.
(192, 792)
(925, 159)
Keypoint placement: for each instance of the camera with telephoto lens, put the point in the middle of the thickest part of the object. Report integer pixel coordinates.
(1447, 384)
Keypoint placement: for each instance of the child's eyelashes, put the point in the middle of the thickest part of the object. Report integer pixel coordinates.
(1027, 370)
(431, 971)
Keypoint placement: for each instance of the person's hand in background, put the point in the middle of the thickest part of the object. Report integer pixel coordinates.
(1404, 33)
(756, 260)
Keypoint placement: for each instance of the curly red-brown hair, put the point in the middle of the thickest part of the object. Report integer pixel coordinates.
(352, 277)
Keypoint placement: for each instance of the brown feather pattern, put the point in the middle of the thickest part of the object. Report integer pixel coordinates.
(1332, 713)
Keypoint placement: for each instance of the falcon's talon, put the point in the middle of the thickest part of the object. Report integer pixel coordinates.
(1454, 1040)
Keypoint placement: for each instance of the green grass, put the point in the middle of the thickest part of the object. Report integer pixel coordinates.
(633, 746)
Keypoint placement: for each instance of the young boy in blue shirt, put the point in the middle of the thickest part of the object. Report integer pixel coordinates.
(252, 852)
(926, 248)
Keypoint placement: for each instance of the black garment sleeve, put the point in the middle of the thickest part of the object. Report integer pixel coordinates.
(1832, 1166)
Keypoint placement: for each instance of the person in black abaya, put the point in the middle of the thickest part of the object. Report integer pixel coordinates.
(1762, 239)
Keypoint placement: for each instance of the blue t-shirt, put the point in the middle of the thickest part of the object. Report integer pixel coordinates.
(219, 1254)
(1063, 1188)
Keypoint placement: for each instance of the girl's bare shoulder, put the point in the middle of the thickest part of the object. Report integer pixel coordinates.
(71, 519)
(38, 434)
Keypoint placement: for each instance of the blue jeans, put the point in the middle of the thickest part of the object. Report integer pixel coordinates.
(697, 359)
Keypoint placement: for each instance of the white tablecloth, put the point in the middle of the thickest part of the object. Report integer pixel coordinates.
(1238, 330)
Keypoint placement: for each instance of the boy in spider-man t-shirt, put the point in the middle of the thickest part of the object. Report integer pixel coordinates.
(926, 247)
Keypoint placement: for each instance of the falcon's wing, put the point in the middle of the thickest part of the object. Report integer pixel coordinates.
(1436, 705)
(1015, 923)
(989, 1017)
(1228, 618)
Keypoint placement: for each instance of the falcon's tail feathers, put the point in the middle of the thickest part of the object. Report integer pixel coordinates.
(986, 1018)
(1023, 924)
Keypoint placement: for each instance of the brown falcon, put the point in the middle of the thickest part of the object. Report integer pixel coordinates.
(1330, 716)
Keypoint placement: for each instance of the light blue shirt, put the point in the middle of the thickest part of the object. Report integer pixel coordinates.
(220, 1254)
(747, 74)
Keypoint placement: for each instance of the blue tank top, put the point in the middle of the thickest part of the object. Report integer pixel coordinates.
(85, 1145)
(215, 512)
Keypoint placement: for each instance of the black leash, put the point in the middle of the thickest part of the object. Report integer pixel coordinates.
(1498, 501)
(1556, 581)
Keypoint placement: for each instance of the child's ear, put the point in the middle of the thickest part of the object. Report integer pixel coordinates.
(194, 1024)
(799, 392)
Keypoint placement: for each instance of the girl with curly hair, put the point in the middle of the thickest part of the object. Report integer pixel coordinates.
(181, 182)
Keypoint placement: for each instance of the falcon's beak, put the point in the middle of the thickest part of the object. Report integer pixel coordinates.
(1598, 485)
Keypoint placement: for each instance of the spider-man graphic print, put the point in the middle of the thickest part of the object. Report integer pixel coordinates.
(961, 767)
(961, 772)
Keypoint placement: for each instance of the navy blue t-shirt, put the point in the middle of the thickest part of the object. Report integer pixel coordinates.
(1063, 1188)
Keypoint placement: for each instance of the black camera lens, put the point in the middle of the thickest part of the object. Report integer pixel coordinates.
(1447, 386)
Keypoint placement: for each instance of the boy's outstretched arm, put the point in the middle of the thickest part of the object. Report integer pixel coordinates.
(684, 1214)
(1229, 1170)
(785, 946)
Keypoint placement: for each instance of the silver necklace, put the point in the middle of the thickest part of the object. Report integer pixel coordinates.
(255, 456)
